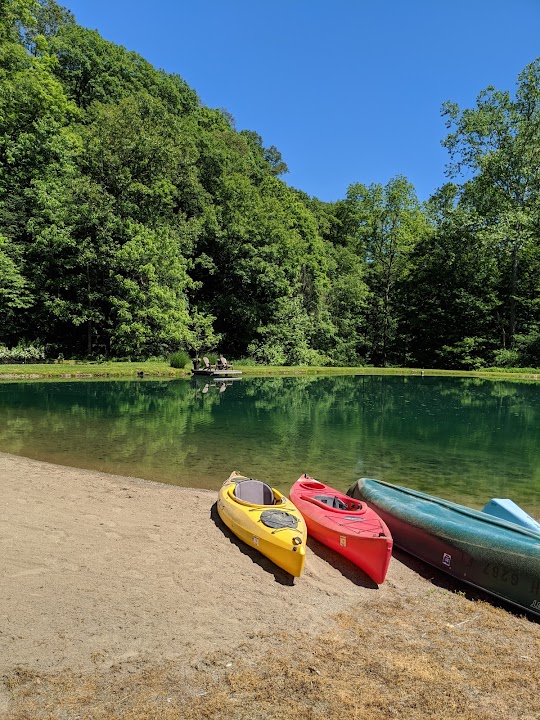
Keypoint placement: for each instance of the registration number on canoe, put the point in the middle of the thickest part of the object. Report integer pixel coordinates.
(500, 573)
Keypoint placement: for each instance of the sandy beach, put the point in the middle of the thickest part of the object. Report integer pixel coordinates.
(129, 599)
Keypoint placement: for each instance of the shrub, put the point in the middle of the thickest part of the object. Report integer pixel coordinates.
(179, 359)
(22, 354)
(528, 347)
(466, 354)
(246, 362)
(506, 358)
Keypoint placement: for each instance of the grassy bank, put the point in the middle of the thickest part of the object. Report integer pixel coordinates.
(89, 370)
(162, 369)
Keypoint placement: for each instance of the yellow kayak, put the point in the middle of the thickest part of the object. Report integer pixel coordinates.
(264, 519)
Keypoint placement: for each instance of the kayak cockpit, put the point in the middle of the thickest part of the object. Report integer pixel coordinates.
(316, 494)
(336, 503)
(254, 491)
(332, 501)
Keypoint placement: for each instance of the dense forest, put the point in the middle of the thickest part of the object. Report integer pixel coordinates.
(135, 221)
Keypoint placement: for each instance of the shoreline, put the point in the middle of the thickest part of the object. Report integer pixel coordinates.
(162, 371)
(110, 578)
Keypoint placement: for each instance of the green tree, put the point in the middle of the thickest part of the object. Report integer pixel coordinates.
(383, 225)
(15, 294)
(91, 68)
(149, 303)
(497, 143)
(201, 334)
(449, 296)
(15, 17)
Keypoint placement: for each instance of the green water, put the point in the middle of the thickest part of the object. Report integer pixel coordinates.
(463, 439)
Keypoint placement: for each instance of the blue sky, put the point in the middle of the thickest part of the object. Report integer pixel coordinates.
(347, 90)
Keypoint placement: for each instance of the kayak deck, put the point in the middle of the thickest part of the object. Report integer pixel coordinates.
(264, 519)
(347, 526)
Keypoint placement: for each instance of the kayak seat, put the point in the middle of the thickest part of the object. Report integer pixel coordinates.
(254, 491)
(332, 501)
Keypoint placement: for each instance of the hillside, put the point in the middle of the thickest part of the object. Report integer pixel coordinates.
(135, 221)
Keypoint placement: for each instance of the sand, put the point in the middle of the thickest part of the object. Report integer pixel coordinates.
(101, 573)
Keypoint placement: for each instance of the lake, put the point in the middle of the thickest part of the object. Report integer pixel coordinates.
(465, 439)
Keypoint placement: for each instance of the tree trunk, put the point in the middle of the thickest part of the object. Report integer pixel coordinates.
(513, 286)
(88, 337)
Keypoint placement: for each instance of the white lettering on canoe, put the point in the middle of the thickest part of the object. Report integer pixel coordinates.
(343, 540)
(446, 559)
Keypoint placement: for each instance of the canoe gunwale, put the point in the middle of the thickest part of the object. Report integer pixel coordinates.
(471, 513)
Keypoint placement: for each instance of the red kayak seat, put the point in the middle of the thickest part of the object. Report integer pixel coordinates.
(254, 491)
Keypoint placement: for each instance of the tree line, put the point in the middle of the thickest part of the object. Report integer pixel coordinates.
(135, 221)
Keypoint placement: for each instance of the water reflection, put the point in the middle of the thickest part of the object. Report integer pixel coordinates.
(219, 383)
(464, 439)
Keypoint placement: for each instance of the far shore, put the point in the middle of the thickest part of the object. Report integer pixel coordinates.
(127, 599)
(162, 370)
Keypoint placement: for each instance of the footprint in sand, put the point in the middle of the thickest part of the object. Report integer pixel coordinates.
(56, 535)
(132, 574)
(31, 571)
(4, 700)
(113, 535)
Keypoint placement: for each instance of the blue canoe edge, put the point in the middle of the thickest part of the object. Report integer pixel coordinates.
(506, 509)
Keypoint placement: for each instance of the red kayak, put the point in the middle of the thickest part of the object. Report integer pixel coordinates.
(344, 524)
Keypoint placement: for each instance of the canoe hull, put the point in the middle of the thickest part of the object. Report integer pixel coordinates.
(285, 547)
(356, 532)
(488, 553)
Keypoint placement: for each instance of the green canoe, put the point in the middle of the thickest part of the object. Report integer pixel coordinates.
(487, 552)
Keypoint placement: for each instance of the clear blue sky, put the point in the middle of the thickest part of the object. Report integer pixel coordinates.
(347, 90)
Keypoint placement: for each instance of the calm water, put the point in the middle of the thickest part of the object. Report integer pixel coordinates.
(463, 439)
